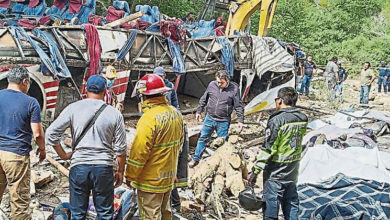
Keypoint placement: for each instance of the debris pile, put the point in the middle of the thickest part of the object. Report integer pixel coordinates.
(218, 179)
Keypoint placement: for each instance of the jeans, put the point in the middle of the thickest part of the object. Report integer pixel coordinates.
(98, 178)
(280, 193)
(339, 91)
(209, 125)
(382, 80)
(305, 84)
(364, 94)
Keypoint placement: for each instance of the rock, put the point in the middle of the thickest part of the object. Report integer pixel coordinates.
(188, 206)
(32, 188)
(234, 139)
(40, 178)
(218, 142)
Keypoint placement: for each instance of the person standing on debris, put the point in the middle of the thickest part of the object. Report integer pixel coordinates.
(182, 161)
(20, 119)
(367, 76)
(98, 139)
(307, 71)
(331, 77)
(280, 155)
(220, 98)
(382, 80)
(171, 95)
(152, 163)
(343, 74)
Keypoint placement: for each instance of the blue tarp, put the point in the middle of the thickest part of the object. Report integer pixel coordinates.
(122, 5)
(227, 54)
(151, 15)
(37, 10)
(126, 48)
(177, 60)
(343, 197)
(54, 10)
(83, 14)
(201, 29)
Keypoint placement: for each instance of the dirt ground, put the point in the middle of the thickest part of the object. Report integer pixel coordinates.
(56, 190)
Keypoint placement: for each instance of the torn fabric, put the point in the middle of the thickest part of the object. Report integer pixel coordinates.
(177, 60)
(227, 54)
(55, 55)
(126, 48)
(94, 49)
(20, 34)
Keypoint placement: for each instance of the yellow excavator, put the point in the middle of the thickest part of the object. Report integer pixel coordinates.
(240, 12)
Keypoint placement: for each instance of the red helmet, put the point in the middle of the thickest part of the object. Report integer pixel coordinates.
(151, 84)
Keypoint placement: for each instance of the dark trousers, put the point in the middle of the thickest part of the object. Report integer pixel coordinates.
(96, 178)
(382, 80)
(282, 194)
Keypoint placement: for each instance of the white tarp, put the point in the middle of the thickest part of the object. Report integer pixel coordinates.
(322, 162)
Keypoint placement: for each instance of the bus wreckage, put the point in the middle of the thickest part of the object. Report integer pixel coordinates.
(60, 59)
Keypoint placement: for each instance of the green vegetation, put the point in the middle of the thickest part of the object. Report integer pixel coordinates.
(354, 30)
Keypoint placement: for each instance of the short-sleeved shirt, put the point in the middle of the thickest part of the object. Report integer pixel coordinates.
(388, 71)
(342, 74)
(331, 69)
(365, 77)
(17, 112)
(309, 67)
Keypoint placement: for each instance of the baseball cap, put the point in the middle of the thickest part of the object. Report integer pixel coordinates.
(339, 63)
(159, 71)
(96, 84)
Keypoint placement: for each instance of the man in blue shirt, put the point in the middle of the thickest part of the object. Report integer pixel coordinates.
(308, 68)
(20, 119)
(382, 80)
(343, 74)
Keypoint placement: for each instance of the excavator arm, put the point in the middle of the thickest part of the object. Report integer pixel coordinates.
(242, 10)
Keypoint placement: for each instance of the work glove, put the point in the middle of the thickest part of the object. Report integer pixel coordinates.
(253, 176)
(252, 179)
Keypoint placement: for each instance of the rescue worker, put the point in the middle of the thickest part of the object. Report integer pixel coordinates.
(183, 161)
(343, 75)
(171, 95)
(98, 140)
(280, 155)
(152, 163)
(331, 77)
(20, 119)
(367, 76)
(220, 97)
(382, 79)
(307, 71)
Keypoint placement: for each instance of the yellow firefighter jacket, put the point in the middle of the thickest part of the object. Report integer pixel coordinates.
(152, 162)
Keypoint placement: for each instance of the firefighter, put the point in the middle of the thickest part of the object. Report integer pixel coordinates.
(152, 162)
(280, 155)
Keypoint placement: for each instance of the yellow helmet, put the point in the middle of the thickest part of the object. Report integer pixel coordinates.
(110, 72)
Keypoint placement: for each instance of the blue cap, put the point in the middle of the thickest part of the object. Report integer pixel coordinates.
(159, 71)
(96, 84)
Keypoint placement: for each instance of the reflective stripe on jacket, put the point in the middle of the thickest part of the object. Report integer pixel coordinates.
(152, 162)
(281, 152)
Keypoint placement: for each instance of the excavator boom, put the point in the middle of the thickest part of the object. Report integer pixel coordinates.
(242, 10)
